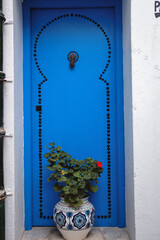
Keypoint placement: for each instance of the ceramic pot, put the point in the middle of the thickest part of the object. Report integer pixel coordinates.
(74, 223)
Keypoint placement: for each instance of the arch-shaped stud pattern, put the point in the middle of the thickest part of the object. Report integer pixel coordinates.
(39, 109)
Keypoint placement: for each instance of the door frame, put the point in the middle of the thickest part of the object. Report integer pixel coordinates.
(28, 5)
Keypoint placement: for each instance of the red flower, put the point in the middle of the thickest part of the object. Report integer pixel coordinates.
(99, 164)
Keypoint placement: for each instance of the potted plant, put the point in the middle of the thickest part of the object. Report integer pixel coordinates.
(74, 215)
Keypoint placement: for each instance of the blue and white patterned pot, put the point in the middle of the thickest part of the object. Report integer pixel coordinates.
(74, 223)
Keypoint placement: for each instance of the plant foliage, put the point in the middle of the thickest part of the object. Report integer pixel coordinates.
(73, 178)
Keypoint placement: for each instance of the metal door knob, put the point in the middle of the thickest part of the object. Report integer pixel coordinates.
(73, 57)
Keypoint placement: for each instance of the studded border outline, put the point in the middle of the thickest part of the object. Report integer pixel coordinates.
(39, 109)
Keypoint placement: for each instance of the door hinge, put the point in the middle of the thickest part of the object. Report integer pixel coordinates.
(2, 76)
(3, 195)
(2, 132)
(2, 17)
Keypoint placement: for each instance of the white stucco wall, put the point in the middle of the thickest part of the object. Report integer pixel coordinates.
(142, 117)
(13, 120)
(145, 38)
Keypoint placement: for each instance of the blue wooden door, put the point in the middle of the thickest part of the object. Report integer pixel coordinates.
(75, 108)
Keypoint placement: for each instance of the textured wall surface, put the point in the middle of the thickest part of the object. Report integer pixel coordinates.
(9, 169)
(145, 37)
(13, 119)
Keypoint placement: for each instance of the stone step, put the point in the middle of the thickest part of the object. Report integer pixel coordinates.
(97, 233)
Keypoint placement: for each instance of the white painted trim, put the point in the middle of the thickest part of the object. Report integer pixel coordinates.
(128, 121)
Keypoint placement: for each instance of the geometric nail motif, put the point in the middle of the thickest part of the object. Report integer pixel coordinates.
(40, 114)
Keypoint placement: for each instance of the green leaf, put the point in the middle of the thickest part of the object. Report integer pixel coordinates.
(73, 198)
(53, 154)
(66, 198)
(71, 182)
(74, 191)
(49, 179)
(68, 156)
(93, 188)
(94, 175)
(78, 204)
(70, 170)
(57, 187)
(82, 184)
(47, 155)
(52, 144)
(58, 148)
(66, 189)
(50, 167)
(76, 174)
(52, 160)
(89, 160)
(87, 175)
(59, 167)
(62, 154)
(52, 177)
(73, 161)
(62, 179)
(81, 194)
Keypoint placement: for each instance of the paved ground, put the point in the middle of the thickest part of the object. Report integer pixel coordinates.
(49, 233)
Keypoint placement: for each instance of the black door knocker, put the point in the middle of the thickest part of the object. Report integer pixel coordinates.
(72, 57)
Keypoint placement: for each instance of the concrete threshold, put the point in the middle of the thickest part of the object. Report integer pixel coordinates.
(97, 233)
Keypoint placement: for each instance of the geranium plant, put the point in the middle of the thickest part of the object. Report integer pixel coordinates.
(73, 178)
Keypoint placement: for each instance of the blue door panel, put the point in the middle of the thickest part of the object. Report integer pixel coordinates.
(75, 108)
